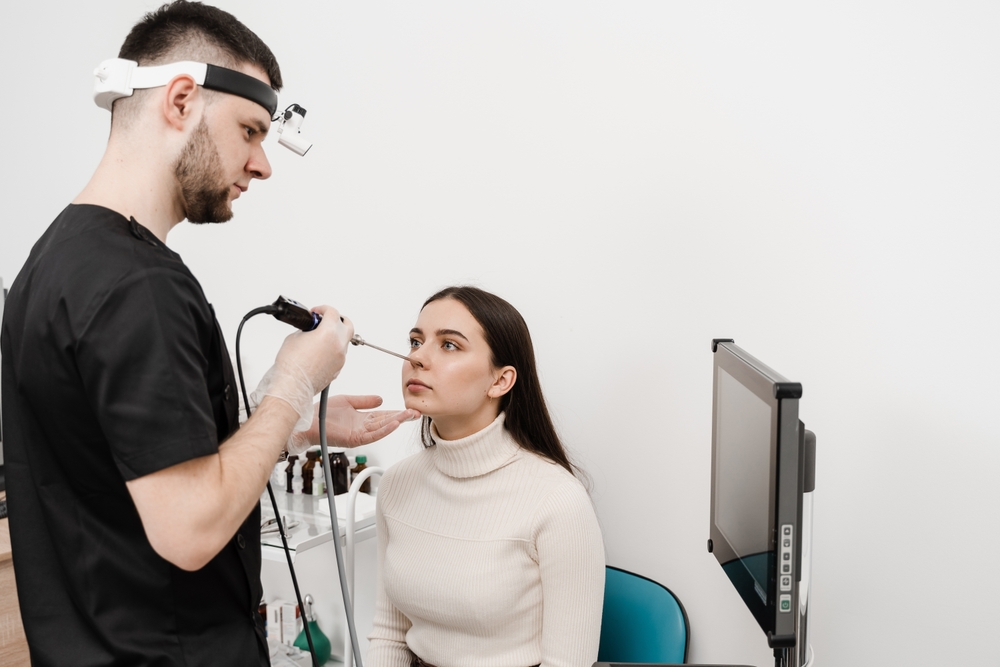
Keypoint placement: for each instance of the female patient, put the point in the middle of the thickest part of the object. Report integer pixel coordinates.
(489, 550)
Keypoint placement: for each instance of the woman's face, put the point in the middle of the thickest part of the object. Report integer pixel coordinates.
(455, 384)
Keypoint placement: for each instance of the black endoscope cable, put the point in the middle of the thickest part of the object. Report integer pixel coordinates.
(281, 308)
(270, 310)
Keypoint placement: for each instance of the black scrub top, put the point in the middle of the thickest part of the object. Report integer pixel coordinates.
(114, 367)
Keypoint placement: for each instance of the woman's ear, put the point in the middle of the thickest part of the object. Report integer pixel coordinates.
(503, 383)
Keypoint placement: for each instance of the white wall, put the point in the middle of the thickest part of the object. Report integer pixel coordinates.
(818, 182)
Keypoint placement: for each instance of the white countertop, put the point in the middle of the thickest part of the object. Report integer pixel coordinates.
(313, 515)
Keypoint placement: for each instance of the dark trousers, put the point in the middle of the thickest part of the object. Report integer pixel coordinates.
(417, 662)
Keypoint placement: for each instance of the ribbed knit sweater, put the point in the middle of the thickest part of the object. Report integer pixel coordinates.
(489, 556)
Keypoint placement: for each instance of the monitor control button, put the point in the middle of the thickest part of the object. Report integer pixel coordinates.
(785, 603)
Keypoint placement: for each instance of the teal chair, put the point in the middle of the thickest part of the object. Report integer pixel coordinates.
(643, 621)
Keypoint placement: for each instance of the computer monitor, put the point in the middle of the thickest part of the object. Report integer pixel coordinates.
(760, 470)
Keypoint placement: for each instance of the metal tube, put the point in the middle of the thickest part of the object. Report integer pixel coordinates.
(358, 340)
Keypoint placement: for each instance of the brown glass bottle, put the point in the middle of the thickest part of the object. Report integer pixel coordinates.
(340, 469)
(307, 472)
(289, 473)
(366, 486)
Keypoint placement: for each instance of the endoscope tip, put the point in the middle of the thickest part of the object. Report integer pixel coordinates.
(358, 340)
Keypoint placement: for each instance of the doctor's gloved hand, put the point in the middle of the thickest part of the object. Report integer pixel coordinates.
(347, 427)
(306, 363)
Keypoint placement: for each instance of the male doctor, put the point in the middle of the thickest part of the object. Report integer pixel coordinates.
(134, 514)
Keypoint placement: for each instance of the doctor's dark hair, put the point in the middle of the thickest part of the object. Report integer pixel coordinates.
(527, 417)
(183, 30)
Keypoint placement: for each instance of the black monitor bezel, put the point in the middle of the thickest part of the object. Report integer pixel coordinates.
(784, 488)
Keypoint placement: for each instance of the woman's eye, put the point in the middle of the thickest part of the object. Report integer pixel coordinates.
(250, 132)
(448, 345)
(414, 343)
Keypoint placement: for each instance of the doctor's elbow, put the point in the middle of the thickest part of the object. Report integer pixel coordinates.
(187, 554)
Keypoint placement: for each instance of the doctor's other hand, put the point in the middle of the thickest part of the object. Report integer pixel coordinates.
(306, 363)
(347, 427)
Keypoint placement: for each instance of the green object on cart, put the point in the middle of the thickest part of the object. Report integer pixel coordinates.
(320, 641)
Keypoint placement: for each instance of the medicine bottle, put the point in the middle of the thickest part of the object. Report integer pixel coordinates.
(297, 478)
(366, 486)
(289, 472)
(319, 479)
(307, 472)
(340, 469)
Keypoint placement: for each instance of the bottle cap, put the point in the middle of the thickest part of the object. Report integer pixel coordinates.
(362, 458)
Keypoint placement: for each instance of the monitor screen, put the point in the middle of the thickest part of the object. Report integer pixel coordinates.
(743, 479)
(757, 487)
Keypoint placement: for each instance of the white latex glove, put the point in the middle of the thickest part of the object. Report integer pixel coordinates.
(292, 385)
(346, 426)
(306, 363)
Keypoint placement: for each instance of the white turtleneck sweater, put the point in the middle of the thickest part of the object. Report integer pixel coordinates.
(489, 556)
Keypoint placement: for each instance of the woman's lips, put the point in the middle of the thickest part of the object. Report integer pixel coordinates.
(416, 385)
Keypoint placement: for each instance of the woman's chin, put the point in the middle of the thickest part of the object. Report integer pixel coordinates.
(413, 404)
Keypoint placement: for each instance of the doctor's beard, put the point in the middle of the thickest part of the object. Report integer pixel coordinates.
(199, 175)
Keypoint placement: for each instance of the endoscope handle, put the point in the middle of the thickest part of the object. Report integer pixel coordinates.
(294, 313)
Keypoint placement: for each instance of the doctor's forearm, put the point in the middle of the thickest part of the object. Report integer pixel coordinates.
(189, 511)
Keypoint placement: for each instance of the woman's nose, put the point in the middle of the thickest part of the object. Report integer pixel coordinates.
(416, 357)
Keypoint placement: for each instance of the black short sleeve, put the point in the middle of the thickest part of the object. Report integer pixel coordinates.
(141, 359)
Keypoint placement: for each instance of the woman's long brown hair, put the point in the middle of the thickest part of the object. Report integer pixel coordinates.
(527, 417)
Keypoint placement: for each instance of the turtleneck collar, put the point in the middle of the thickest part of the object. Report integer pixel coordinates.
(477, 454)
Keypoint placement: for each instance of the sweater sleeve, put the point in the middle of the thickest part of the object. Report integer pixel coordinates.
(387, 642)
(570, 554)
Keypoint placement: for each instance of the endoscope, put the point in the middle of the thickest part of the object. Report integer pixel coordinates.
(294, 313)
(116, 78)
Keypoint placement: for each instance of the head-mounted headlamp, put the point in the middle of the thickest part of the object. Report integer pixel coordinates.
(116, 78)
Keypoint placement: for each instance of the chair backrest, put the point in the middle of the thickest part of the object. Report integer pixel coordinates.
(643, 621)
